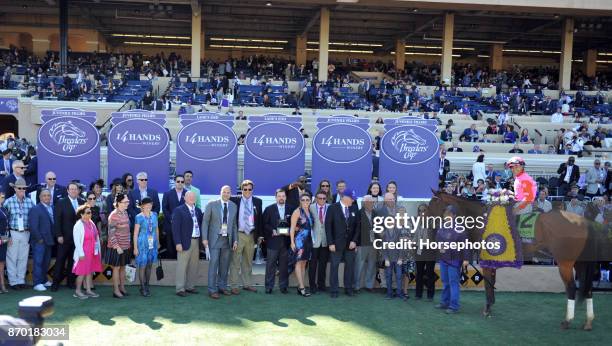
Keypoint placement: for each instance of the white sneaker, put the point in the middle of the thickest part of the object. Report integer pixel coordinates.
(40, 288)
(48, 284)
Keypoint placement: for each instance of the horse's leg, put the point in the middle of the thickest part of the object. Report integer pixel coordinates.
(590, 269)
(489, 274)
(566, 270)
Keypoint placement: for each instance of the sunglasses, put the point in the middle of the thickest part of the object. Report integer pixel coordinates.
(91, 199)
(143, 179)
(305, 200)
(180, 181)
(247, 189)
(129, 180)
(51, 178)
(325, 185)
(20, 167)
(88, 212)
(321, 198)
(20, 188)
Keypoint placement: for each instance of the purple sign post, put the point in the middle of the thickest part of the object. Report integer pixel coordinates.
(207, 145)
(9, 105)
(409, 155)
(342, 149)
(138, 142)
(69, 145)
(274, 151)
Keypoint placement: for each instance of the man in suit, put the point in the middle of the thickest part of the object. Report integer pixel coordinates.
(444, 167)
(340, 187)
(277, 244)
(64, 218)
(170, 201)
(57, 191)
(341, 228)
(250, 232)
(596, 178)
(41, 239)
(317, 266)
(455, 148)
(141, 191)
(31, 173)
(7, 164)
(294, 190)
(366, 253)
(569, 173)
(189, 187)
(186, 231)
(221, 237)
(7, 184)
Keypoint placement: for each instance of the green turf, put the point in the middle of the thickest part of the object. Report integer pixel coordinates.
(368, 319)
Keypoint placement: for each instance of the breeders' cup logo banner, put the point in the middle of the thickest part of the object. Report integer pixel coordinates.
(138, 142)
(342, 149)
(207, 145)
(69, 145)
(409, 156)
(9, 105)
(274, 151)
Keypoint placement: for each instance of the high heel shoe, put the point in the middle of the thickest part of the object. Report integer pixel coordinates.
(117, 296)
(125, 294)
(303, 292)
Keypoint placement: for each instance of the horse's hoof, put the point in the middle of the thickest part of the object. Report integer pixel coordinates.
(565, 325)
(588, 327)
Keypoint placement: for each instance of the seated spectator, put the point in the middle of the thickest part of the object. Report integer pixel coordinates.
(447, 134)
(515, 149)
(455, 148)
(492, 129)
(303, 132)
(535, 150)
(471, 134)
(557, 117)
(541, 204)
(551, 150)
(241, 116)
(510, 136)
(490, 173)
(524, 138)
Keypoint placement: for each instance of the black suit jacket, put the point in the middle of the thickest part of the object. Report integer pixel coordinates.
(59, 192)
(573, 177)
(134, 197)
(293, 195)
(41, 225)
(335, 199)
(182, 225)
(31, 173)
(65, 218)
(340, 231)
(258, 215)
(270, 222)
(169, 202)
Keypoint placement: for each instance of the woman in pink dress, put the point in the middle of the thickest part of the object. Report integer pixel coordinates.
(86, 252)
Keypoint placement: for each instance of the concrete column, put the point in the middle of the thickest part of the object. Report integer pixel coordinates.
(63, 35)
(40, 45)
(447, 47)
(324, 44)
(400, 54)
(496, 57)
(202, 45)
(590, 62)
(196, 42)
(300, 50)
(567, 46)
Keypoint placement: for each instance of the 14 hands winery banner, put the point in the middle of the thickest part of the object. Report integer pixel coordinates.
(274, 150)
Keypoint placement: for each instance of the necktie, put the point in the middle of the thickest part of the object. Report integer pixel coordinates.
(225, 213)
(321, 214)
(346, 213)
(50, 211)
(247, 215)
(74, 204)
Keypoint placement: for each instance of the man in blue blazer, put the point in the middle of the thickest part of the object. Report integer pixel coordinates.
(221, 237)
(140, 192)
(186, 232)
(57, 191)
(41, 239)
(170, 201)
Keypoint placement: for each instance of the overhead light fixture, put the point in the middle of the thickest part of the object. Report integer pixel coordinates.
(268, 3)
(415, 10)
(344, 51)
(608, 54)
(228, 39)
(427, 54)
(531, 51)
(483, 56)
(355, 44)
(244, 47)
(426, 38)
(160, 44)
(153, 36)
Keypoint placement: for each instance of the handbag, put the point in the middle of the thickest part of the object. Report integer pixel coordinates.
(159, 271)
(130, 273)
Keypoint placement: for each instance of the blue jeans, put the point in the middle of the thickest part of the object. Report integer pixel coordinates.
(450, 284)
(397, 269)
(41, 256)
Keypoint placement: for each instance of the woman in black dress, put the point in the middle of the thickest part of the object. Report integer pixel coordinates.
(301, 240)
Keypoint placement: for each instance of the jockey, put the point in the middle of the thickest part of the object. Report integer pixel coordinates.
(524, 186)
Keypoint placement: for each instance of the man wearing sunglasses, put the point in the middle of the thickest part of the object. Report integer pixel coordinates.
(139, 193)
(57, 191)
(189, 187)
(250, 232)
(18, 207)
(170, 201)
(8, 182)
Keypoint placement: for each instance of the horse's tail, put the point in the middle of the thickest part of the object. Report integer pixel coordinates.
(585, 273)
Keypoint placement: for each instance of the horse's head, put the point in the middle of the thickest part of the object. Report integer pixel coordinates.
(465, 207)
(67, 129)
(406, 137)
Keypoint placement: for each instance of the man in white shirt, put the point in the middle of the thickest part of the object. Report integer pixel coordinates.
(557, 117)
(541, 204)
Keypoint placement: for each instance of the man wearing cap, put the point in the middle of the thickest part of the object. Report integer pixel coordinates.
(341, 228)
(18, 207)
(524, 186)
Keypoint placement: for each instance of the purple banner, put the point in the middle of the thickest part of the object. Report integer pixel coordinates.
(342, 149)
(409, 155)
(139, 142)
(69, 145)
(274, 151)
(9, 105)
(207, 145)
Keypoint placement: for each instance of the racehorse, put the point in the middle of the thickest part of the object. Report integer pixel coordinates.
(575, 243)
